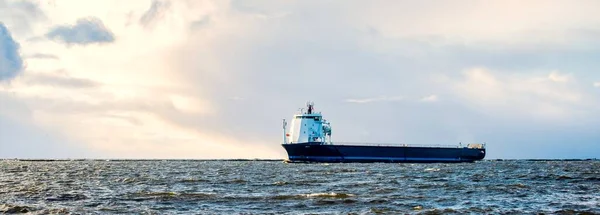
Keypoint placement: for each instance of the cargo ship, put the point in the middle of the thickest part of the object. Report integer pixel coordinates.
(309, 140)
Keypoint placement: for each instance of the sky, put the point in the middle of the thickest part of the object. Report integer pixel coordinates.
(196, 79)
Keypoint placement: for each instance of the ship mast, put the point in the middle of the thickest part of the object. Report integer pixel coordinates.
(310, 106)
(284, 133)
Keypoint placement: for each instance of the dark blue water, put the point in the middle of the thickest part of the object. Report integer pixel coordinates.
(273, 187)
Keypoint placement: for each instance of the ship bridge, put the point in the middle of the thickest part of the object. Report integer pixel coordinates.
(308, 126)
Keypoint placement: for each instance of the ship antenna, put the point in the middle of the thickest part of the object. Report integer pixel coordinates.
(310, 107)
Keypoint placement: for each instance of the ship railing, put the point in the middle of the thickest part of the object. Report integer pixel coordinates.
(398, 145)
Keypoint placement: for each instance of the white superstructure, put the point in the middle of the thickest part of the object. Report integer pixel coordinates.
(308, 126)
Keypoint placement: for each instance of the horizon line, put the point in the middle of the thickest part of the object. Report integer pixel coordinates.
(260, 159)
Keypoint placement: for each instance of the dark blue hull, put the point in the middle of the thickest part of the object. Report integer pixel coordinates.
(317, 152)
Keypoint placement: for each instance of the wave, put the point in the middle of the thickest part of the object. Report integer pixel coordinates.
(312, 195)
(68, 197)
(235, 181)
(193, 180)
(140, 196)
(14, 209)
(280, 183)
(432, 170)
(23, 209)
(328, 195)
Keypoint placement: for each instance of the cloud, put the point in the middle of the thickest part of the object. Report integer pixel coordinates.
(199, 24)
(60, 80)
(11, 63)
(376, 99)
(21, 16)
(555, 76)
(86, 31)
(156, 11)
(597, 84)
(430, 98)
(42, 56)
(528, 95)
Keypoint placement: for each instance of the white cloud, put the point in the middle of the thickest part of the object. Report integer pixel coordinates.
(430, 98)
(519, 94)
(557, 77)
(375, 99)
(597, 84)
(189, 104)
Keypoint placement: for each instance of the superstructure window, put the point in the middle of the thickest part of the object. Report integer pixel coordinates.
(306, 117)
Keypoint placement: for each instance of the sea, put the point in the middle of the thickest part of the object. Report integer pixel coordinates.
(275, 187)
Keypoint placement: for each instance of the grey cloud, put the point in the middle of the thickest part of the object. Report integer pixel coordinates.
(11, 63)
(20, 15)
(200, 23)
(129, 119)
(86, 31)
(26, 7)
(157, 10)
(61, 81)
(29, 8)
(43, 56)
